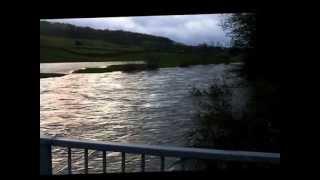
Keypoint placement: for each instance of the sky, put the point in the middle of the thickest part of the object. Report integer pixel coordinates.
(187, 29)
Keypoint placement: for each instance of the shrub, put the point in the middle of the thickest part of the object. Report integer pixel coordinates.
(152, 61)
(78, 43)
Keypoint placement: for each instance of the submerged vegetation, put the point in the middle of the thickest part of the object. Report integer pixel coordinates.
(122, 67)
(218, 127)
(48, 75)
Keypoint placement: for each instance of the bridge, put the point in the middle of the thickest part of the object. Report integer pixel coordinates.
(46, 144)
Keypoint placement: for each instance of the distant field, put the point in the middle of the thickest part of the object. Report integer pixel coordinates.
(69, 43)
(58, 49)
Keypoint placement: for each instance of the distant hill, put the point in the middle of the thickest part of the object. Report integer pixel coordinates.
(61, 42)
(66, 42)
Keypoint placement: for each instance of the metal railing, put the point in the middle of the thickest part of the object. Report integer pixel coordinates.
(46, 144)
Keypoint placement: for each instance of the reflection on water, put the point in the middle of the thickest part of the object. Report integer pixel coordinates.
(149, 107)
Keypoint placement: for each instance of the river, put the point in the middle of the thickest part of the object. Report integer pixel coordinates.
(147, 107)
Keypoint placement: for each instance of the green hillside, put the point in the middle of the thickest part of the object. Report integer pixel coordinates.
(68, 43)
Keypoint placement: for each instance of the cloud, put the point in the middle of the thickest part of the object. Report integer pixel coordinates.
(188, 29)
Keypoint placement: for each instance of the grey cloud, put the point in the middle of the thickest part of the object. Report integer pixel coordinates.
(188, 29)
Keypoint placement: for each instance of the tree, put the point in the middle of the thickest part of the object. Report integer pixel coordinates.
(78, 43)
(242, 28)
(218, 44)
(265, 105)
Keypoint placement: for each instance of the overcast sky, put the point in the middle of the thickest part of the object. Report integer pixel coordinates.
(188, 29)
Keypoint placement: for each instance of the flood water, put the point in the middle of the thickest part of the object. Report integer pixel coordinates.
(147, 107)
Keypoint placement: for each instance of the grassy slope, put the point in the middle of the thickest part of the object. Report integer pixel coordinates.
(61, 49)
(58, 49)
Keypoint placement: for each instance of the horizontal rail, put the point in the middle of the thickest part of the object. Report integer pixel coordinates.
(167, 151)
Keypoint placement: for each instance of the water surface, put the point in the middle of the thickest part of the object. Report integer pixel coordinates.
(147, 107)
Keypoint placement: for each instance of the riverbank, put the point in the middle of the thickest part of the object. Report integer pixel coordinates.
(62, 69)
(145, 67)
(122, 67)
(126, 68)
(48, 75)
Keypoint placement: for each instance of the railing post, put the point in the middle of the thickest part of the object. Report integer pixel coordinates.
(104, 162)
(86, 161)
(162, 163)
(69, 161)
(45, 158)
(143, 161)
(123, 164)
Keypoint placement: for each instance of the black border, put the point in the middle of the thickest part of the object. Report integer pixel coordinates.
(23, 102)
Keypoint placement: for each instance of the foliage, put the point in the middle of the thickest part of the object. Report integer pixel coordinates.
(242, 29)
(78, 43)
(218, 128)
(152, 61)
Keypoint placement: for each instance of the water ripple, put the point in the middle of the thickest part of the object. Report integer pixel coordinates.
(145, 107)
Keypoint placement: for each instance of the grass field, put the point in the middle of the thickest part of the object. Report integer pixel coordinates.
(53, 49)
(61, 49)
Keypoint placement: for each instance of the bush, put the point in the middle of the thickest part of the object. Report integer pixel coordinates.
(218, 128)
(152, 61)
(78, 43)
(215, 116)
